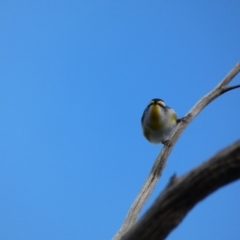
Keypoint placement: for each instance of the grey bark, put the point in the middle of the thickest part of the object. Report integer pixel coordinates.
(183, 193)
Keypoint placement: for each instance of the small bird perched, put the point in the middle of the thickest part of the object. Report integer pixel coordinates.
(158, 121)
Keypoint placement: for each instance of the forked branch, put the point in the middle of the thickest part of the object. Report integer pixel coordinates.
(159, 164)
(183, 193)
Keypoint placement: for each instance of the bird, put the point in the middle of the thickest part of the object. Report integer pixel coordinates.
(158, 122)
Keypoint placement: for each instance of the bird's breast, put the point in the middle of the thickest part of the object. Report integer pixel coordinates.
(155, 118)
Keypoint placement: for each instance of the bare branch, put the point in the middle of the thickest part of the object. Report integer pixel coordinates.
(183, 193)
(166, 150)
(230, 88)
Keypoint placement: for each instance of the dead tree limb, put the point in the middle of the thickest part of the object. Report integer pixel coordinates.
(183, 193)
(159, 164)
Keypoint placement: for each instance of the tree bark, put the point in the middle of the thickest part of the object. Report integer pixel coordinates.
(183, 193)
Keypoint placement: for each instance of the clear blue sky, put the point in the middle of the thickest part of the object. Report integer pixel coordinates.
(75, 79)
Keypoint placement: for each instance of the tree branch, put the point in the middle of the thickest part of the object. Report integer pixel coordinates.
(230, 88)
(166, 150)
(183, 193)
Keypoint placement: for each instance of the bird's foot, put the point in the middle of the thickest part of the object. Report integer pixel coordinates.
(167, 143)
(183, 119)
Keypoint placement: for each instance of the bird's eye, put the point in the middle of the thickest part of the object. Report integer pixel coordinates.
(161, 103)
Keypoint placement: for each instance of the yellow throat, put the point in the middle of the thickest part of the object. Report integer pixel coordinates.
(155, 122)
